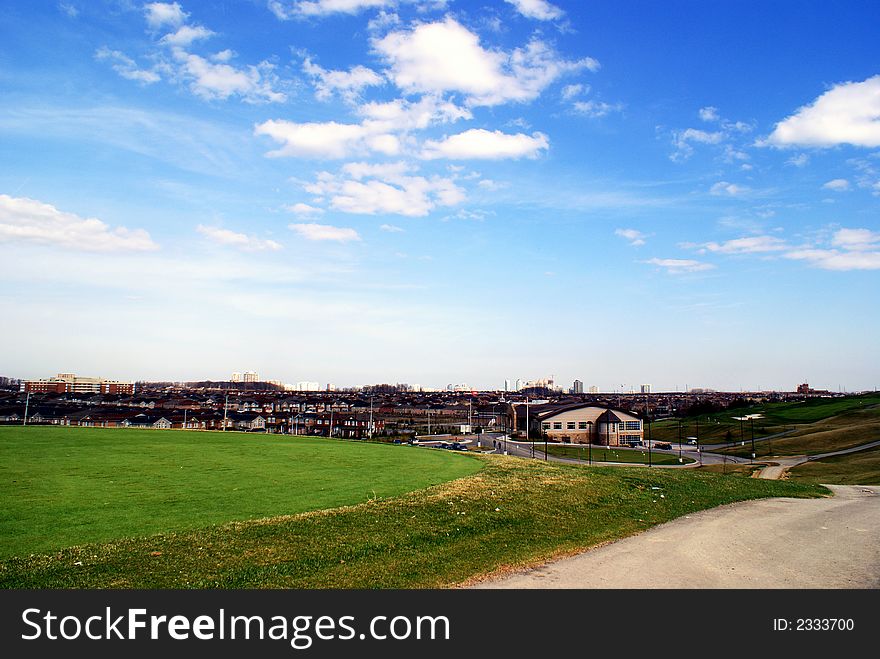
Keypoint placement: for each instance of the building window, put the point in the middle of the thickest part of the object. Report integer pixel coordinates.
(570, 425)
(582, 425)
(557, 425)
(633, 425)
(545, 425)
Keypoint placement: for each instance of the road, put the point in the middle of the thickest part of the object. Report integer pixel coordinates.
(770, 543)
(776, 471)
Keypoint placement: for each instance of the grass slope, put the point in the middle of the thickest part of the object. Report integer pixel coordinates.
(66, 486)
(721, 427)
(839, 432)
(862, 468)
(512, 513)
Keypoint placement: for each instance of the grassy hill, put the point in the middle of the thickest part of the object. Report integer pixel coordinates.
(66, 486)
(512, 512)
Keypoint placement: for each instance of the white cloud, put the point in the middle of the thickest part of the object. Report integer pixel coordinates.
(838, 185)
(324, 140)
(160, 14)
(305, 8)
(848, 113)
(709, 113)
(441, 57)
(348, 84)
(304, 209)
(682, 141)
(856, 239)
(212, 80)
(314, 231)
(185, 35)
(800, 160)
(725, 188)
(478, 143)
(750, 245)
(595, 109)
(371, 189)
(391, 228)
(832, 259)
(29, 220)
(70, 10)
(239, 240)
(679, 266)
(126, 67)
(635, 238)
(571, 91)
(401, 115)
(540, 10)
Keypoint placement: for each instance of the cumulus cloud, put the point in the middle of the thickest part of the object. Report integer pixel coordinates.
(635, 238)
(683, 141)
(367, 189)
(858, 240)
(30, 221)
(848, 113)
(325, 140)
(218, 80)
(314, 231)
(285, 10)
(680, 266)
(595, 109)
(749, 245)
(304, 209)
(348, 84)
(185, 35)
(162, 14)
(240, 240)
(126, 67)
(832, 259)
(838, 185)
(445, 56)
(540, 10)
(800, 160)
(724, 188)
(709, 113)
(391, 228)
(479, 143)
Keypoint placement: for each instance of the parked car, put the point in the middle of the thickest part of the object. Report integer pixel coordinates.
(663, 446)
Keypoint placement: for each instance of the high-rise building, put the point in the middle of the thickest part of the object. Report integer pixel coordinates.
(250, 376)
(519, 385)
(236, 377)
(578, 387)
(507, 385)
(594, 389)
(646, 388)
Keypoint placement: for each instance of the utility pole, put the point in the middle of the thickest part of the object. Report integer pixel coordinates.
(27, 401)
(225, 412)
(184, 418)
(527, 427)
(331, 421)
(371, 418)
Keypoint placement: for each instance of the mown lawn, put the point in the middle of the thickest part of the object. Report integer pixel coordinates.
(65, 486)
(514, 512)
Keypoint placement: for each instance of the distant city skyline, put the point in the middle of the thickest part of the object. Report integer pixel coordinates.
(443, 191)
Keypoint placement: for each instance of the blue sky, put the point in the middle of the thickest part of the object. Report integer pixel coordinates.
(358, 191)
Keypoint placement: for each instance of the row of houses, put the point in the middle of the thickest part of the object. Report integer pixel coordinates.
(346, 425)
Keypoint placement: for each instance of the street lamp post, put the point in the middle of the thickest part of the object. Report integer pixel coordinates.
(650, 464)
(590, 440)
(27, 401)
(679, 442)
(371, 419)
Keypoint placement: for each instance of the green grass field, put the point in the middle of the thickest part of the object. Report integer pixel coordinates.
(777, 417)
(514, 512)
(66, 486)
(611, 454)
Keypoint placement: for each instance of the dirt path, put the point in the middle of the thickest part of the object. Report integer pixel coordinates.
(770, 543)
